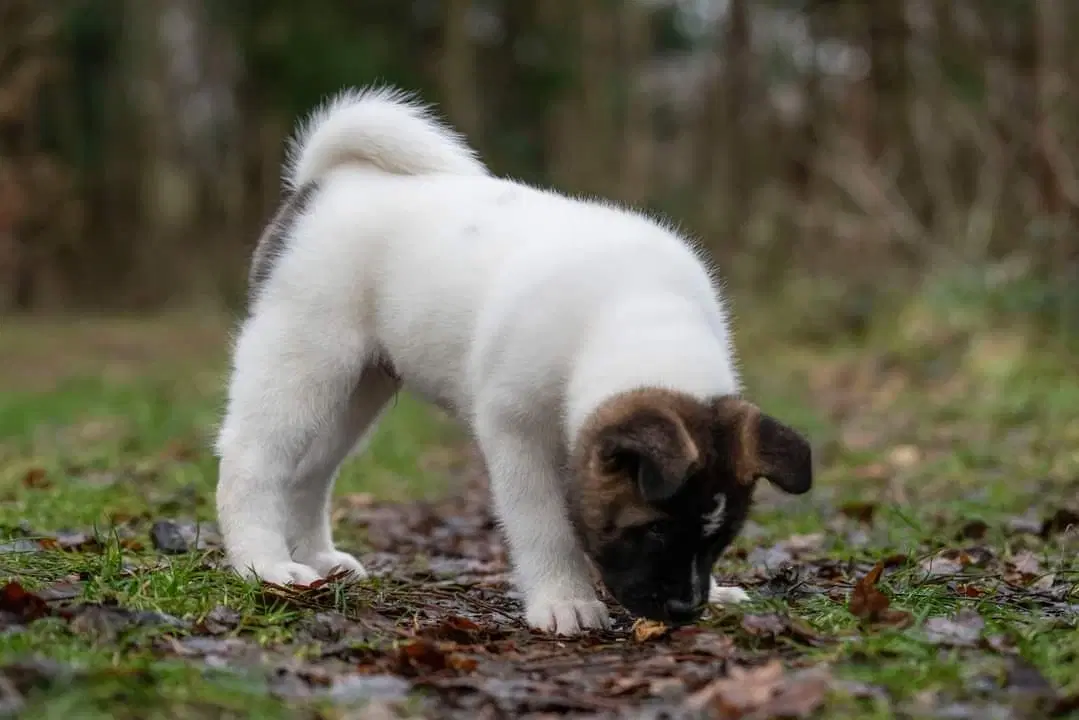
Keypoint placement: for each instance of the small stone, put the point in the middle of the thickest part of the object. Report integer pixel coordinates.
(167, 537)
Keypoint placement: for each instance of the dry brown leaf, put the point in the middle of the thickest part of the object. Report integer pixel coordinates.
(36, 479)
(946, 562)
(645, 630)
(863, 512)
(22, 604)
(868, 603)
(739, 693)
(179, 450)
(801, 696)
(1060, 521)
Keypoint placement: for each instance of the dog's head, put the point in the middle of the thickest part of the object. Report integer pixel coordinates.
(663, 483)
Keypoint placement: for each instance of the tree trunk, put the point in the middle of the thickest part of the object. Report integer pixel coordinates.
(635, 155)
(457, 71)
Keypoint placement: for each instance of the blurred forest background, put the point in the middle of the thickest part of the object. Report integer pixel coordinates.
(852, 153)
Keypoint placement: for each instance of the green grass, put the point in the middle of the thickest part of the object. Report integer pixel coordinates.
(934, 429)
(131, 445)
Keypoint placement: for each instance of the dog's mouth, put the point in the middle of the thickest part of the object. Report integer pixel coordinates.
(676, 613)
(656, 607)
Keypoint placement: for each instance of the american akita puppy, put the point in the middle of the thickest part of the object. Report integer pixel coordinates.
(585, 346)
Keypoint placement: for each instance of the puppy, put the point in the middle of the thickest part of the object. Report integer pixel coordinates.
(585, 346)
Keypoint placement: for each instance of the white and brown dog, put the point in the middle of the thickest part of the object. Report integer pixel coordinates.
(585, 345)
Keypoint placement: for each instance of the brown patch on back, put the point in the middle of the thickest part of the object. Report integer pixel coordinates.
(274, 239)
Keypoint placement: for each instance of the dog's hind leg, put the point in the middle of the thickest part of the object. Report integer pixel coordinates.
(310, 533)
(290, 396)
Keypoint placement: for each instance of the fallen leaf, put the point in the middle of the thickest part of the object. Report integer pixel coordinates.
(326, 626)
(1060, 521)
(19, 606)
(866, 600)
(800, 696)
(771, 559)
(797, 544)
(1026, 564)
(1025, 569)
(863, 512)
(1028, 524)
(419, 657)
(946, 562)
(645, 630)
(62, 590)
(179, 451)
(974, 530)
(461, 663)
(456, 629)
(219, 621)
(772, 624)
(738, 694)
(868, 603)
(76, 540)
(107, 622)
(714, 644)
(36, 479)
(777, 626)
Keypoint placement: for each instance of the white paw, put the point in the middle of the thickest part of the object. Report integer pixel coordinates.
(335, 561)
(566, 615)
(729, 595)
(280, 573)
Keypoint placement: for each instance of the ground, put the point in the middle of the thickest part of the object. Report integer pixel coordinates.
(931, 572)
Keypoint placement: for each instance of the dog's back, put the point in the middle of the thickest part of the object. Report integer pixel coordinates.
(455, 274)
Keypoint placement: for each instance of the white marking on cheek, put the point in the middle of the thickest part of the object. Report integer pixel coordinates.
(714, 520)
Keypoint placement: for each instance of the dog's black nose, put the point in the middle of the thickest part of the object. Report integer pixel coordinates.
(682, 611)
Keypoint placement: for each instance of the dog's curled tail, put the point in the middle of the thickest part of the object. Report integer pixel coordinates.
(382, 127)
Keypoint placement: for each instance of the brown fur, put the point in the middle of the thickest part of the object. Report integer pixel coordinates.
(608, 498)
(654, 460)
(274, 238)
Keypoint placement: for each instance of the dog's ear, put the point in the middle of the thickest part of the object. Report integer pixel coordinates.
(762, 446)
(653, 446)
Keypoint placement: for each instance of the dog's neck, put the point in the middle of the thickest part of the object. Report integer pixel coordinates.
(684, 357)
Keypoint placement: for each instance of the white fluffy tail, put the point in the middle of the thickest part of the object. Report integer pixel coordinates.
(379, 126)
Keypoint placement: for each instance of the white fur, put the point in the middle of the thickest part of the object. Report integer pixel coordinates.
(713, 519)
(726, 595)
(518, 310)
(382, 127)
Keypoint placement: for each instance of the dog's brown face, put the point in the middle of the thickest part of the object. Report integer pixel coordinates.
(663, 484)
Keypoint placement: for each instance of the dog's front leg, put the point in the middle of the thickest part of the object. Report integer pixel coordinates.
(549, 564)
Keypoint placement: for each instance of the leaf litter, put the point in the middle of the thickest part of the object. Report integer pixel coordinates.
(439, 620)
